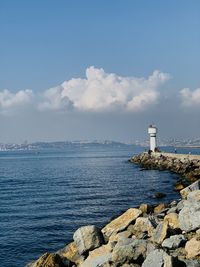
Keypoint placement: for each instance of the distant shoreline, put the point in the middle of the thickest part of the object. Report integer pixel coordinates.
(187, 146)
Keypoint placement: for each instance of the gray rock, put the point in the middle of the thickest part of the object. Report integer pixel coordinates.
(142, 225)
(129, 253)
(189, 216)
(175, 241)
(88, 238)
(160, 232)
(158, 258)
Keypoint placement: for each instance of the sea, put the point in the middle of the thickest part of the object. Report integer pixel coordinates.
(45, 195)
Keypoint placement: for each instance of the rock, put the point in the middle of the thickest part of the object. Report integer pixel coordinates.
(122, 222)
(158, 258)
(98, 257)
(51, 260)
(160, 232)
(71, 252)
(88, 238)
(129, 253)
(173, 220)
(194, 186)
(174, 241)
(124, 242)
(189, 216)
(141, 226)
(178, 186)
(192, 248)
(145, 208)
(159, 195)
(120, 236)
(159, 208)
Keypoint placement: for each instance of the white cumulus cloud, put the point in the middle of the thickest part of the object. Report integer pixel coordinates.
(190, 98)
(9, 100)
(101, 91)
(53, 99)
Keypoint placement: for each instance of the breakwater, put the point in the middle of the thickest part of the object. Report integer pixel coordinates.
(149, 235)
(187, 165)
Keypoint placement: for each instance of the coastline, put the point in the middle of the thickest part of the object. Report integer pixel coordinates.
(146, 235)
(186, 165)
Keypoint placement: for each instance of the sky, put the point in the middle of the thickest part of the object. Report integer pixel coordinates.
(99, 69)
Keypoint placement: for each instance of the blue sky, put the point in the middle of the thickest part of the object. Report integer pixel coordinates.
(44, 43)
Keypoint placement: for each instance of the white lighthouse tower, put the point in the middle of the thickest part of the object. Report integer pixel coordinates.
(152, 130)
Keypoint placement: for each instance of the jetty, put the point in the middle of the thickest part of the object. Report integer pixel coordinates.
(186, 165)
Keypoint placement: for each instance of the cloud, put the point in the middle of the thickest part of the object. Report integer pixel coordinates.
(101, 91)
(98, 91)
(53, 99)
(10, 101)
(190, 98)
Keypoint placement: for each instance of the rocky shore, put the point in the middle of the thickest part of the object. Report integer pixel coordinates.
(188, 166)
(166, 235)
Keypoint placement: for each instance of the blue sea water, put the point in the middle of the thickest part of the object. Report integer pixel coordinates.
(46, 195)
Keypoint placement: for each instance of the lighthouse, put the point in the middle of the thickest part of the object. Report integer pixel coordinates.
(152, 130)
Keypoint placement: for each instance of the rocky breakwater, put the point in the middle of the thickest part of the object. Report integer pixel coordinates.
(188, 166)
(147, 236)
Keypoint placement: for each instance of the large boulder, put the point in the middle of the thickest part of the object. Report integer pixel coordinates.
(141, 226)
(173, 220)
(122, 222)
(158, 258)
(192, 248)
(88, 238)
(189, 216)
(194, 186)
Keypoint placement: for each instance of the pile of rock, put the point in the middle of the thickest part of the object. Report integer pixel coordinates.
(148, 236)
(185, 166)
